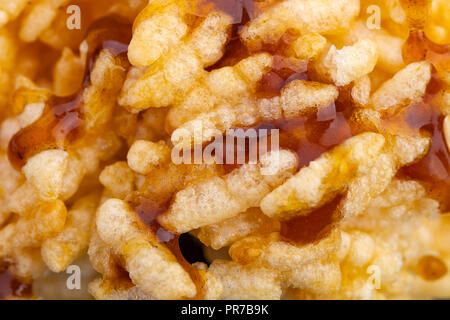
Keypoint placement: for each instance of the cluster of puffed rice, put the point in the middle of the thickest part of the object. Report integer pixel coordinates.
(69, 201)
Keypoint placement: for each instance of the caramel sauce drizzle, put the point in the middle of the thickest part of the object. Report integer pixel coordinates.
(62, 121)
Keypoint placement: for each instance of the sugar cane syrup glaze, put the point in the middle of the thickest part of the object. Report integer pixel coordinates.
(308, 136)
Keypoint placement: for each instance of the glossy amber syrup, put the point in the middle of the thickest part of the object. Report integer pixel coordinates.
(314, 226)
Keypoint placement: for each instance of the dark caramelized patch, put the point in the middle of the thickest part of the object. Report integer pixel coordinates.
(431, 268)
(314, 226)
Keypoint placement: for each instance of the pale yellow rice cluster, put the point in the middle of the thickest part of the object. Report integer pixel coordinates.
(390, 237)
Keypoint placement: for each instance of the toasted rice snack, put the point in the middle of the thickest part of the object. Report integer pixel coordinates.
(24, 199)
(46, 221)
(297, 98)
(28, 263)
(314, 267)
(320, 16)
(224, 85)
(178, 70)
(54, 174)
(103, 289)
(103, 258)
(219, 235)
(241, 282)
(361, 91)
(93, 151)
(9, 10)
(176, 177)
(10, 180)
(39, 18)
(349, 63)
(118, 179)
(437, 27)
(405, 208)
(226, 197)
(144, 156)
(362, 167)
(389, 47)
(99, 126)
(308, 46)
(59, 252)
(407, 86)
(26, 92)
(68, 73)
(159, 27)
(45, 171)
(344, 258)
(152, 267)
(100, 98)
